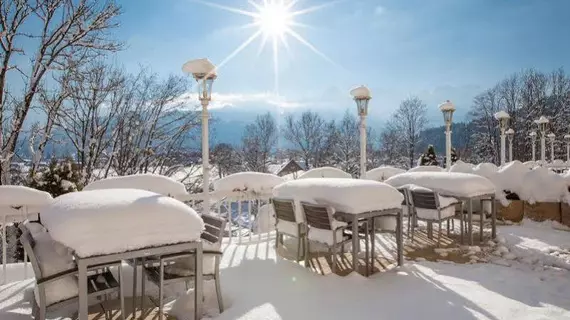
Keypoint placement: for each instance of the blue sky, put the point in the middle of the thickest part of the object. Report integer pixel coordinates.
(436, 49)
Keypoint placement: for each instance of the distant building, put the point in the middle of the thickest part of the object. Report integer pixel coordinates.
(285, 168)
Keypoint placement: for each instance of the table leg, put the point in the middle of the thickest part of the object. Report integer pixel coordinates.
(470, 222)
(134, 288)
(4, 260)
(493, 218)
(481, 221)
(366, 239)
(198, 282)
(354, 243)
(400, 238)
(461, 222)
(373, 243)
(82, 279)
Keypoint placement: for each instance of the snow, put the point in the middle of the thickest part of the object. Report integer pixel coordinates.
(525, 288)
(325, 172)
(345, 195)
(382, 173)
(501, 115)
(510, 176)
(148, 181)
(360, 92)
(543, 185)
(426, 169)
(446, 183)
(248, 181)
(117, 220)
(23, 196)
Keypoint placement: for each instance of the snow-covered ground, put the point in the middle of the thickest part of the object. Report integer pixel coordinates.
(531, 280)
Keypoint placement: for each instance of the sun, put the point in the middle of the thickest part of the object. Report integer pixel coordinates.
(274, 19)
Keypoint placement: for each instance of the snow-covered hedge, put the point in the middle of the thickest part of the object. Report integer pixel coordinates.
(382, 173)
(543, 185)
(58, 178)
(248, 181)
(148, 181)
(325, 172)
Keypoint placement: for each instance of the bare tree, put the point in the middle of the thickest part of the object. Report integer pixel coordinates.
(66, 28)
(312, 135)
(258, 141)
(347, 144)
(410, 119)
(225, 158)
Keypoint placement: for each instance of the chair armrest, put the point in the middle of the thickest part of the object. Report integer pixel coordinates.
(57, 276)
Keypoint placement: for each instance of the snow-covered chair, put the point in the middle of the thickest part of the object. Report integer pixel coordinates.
(179, 267)
(56, 274)
(286, 222)
(324, 228)
(431, 207)
(407, 209)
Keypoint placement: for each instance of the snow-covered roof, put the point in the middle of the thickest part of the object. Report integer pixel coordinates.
(148, 181)
(248, 181)
(446, 183)
(325, 172)
(117, 220)
(345, 195)
(382, 173)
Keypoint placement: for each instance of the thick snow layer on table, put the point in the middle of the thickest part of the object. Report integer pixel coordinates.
(345, 195)
(446, 183)
(248, 181)
(426, 169)
(382, 173)
(530, 164)
(118, 220)
(150, 182)
(325, 172)
(543, 185)
(15, 196)
(487, 170)
(462, 167)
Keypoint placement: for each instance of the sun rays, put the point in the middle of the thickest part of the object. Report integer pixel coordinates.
(273, 21)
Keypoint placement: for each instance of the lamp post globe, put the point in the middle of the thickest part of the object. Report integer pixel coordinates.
(204, 72)
(503, 119)
(542, 124)
(362, 96)
(447, 108)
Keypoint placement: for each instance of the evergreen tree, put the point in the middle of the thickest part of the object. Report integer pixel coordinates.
(429, 158)
(454, 157)
(58, 178)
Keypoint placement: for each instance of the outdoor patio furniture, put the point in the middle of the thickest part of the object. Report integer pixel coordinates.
(407, 209)
(286, 222)
(325, 229)
(101, 283)
(167, 269)
(431, 207)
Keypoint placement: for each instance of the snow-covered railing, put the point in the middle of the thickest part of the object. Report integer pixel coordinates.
(240, 208)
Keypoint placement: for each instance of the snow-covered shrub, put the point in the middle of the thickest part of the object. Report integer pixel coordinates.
(429, 158)
(543, 185)
(58, 178)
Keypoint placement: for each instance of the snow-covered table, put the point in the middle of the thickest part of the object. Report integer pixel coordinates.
(354, 201)
(103, 226)
(462, 186)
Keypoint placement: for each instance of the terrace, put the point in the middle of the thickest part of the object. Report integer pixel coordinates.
(522, 271)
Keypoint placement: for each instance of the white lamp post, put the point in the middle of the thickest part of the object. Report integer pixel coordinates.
(205, 73)
(503, 118)
(551, 138)
(447, 108)
(362, 96)
(567, 139)
(542, 123)
(532, 135)
(510, 134)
